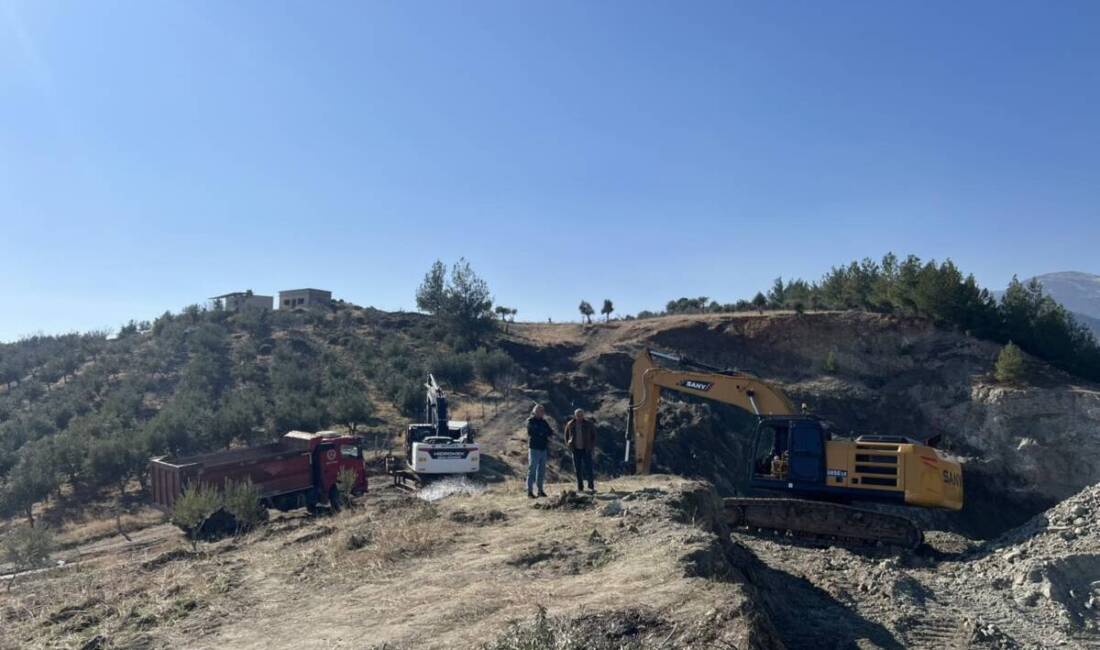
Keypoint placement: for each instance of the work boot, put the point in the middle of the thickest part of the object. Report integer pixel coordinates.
(541, 493)
(530, 494)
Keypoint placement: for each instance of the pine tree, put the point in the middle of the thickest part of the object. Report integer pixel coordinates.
(1010, 367)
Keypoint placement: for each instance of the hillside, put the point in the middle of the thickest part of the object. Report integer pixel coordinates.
(647, 563)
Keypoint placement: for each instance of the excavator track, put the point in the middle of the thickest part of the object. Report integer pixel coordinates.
(822, 518)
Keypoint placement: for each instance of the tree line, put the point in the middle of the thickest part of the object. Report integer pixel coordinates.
(1024, 314)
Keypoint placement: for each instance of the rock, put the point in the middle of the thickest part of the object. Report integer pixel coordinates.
(1035, 574)
(612, 509)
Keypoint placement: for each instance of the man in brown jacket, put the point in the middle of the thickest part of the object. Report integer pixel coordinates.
(580, 437)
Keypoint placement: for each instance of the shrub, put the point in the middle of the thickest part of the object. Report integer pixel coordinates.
(830, 365)
(493, 367)
(1010, 367)
(345, 483)
(26, 547)
(242, 500)
(197, 503)
(454, 369)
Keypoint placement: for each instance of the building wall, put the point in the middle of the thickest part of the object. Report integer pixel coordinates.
(260, 302)
(235, 302)
(303, 298)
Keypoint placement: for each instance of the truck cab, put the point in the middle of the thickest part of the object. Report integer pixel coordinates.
(329, 453)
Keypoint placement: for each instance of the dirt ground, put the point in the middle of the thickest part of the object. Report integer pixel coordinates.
(401, 572)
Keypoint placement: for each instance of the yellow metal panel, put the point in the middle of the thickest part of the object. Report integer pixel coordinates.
(839, 455)
(935, 482)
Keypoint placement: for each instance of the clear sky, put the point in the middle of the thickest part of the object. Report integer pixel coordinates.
(153, 154)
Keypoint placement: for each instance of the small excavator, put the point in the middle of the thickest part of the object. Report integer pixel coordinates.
(436, 447)
(810, 476)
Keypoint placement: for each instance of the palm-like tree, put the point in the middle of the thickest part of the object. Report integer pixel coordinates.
(586, 311)
(607, 309)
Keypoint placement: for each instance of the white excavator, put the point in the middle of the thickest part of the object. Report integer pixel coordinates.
(438, 446)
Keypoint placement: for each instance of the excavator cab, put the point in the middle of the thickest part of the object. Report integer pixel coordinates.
(788, 450)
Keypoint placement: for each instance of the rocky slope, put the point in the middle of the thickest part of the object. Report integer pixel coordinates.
(1037, 586)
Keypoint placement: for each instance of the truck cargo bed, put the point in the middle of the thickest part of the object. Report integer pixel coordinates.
(275, 468)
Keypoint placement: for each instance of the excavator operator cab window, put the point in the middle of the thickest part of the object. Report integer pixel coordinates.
(771, 444)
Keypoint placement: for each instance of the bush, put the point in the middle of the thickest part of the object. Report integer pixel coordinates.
(1010, 367)
(830, 365)
(345, 483)
(493, 367)
(197, 503)
(455, 369)
(242, 500)
(26, 547)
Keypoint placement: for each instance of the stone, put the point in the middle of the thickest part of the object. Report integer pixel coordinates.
(612, 509)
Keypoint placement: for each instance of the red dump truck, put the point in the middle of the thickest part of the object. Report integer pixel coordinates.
(298, 471)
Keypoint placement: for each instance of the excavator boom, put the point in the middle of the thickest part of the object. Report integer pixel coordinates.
(728, 386)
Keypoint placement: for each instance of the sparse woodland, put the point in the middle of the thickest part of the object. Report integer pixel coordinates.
(88, 411)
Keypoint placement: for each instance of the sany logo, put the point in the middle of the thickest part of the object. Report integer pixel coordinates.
(696, 385)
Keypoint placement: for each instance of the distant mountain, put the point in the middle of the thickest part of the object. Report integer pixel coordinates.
(1077, 292)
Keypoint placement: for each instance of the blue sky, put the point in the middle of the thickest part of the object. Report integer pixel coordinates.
(153, 154)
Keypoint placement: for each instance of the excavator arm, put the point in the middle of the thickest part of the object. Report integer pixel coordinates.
(648, 380)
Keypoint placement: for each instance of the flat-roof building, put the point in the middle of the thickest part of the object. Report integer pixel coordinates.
(295, 298)
(238, 300)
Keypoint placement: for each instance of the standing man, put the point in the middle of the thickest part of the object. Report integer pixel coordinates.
(580, 437)
(538, 441)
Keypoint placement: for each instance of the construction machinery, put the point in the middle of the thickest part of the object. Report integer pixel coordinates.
(438, 446)
(810, 476)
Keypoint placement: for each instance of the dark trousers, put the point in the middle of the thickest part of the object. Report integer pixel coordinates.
(582, 465)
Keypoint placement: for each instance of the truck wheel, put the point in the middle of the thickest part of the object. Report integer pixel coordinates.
(334, 499)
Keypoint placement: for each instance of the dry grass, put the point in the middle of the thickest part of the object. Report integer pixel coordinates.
(82, 532)
(118, 602)
(450, 574)
(376, 541)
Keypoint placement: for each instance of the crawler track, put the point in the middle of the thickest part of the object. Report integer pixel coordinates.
(816, 518)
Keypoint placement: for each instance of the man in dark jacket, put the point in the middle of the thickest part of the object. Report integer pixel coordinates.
(538, 442)
(580, 437)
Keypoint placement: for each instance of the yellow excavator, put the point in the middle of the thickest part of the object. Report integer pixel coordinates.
(811, 476)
